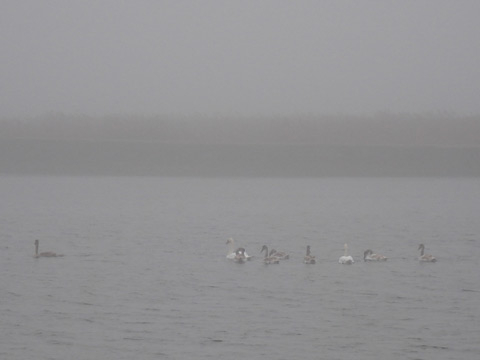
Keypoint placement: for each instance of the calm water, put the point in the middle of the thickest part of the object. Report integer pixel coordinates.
(145, 275)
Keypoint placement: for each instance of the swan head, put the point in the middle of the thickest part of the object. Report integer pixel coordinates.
(37, 242)
(421, 247)
(367, 252)
(264, 248)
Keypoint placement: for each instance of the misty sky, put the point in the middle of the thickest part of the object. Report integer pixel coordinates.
(239, 57)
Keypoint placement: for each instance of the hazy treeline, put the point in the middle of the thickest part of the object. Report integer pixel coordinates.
(382, 145)
(381, 129)
(53, 157)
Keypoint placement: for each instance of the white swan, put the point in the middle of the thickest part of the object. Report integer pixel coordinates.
(309, 259)
(346, 259)
(369, 255)
(44, 254)
(232, 252)
(269, 259)
(280, 255)
(425, 257)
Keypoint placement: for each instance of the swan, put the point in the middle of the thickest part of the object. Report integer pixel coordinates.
(280, 255)
(309, 259)
(44, 254)
(346, 259)
(269, 259)
(425, 257)
(369, 255)
(232, 253)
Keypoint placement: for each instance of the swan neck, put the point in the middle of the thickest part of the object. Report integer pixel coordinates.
(266, 251)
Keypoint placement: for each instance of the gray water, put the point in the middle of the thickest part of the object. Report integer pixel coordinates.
(145, 275)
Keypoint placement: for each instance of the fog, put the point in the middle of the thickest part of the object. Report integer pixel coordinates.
(246, 88)
(384, 145)
(243, 58)
(381, 129)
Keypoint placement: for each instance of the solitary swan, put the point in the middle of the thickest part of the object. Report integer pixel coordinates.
(269, 259)
(232, 253)
(44, 254)
(426, 257)
(346, 259)
(309, 259)
(368, 255)
(280, 255)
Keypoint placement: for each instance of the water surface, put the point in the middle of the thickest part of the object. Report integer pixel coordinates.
(145, 275)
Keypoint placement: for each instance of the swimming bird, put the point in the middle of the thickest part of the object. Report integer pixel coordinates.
(269, 259)
(309, 259)
(280, 255)
(44, 254)
(369, 255)
(232, 253)
(425, 257)
(346, 259)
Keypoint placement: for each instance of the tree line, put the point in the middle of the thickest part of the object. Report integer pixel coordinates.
(382, 129)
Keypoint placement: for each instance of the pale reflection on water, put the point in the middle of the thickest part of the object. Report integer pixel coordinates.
(145, 274)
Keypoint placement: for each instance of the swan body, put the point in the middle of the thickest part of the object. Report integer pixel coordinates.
(232, 253)
(240, 256)
(309, 259)
(267, 260)
(346, 259)
(425, 257)
(44, 254)
(280, 255)
(369, 255)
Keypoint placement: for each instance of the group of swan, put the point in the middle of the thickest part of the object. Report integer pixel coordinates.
(369, 255)
(274, 257)
(44, 254)
(239, 255)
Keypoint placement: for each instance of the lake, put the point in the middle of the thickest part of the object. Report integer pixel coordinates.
(144, 273)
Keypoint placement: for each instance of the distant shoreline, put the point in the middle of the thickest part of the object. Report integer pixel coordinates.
(142, 158)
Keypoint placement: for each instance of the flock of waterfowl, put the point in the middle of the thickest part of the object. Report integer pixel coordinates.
(239, 255)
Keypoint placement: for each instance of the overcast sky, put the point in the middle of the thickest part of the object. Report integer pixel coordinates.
(239, 57)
